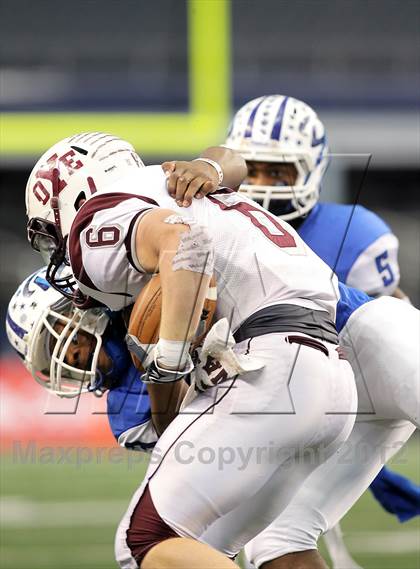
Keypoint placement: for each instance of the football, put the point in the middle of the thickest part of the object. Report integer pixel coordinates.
(145, 317)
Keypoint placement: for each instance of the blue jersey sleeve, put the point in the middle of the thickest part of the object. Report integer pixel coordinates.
(128, 404)
(339, 234)
(350, 300)
(396, 494)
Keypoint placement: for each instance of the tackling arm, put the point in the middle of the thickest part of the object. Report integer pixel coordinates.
(198, 178)
(165, 401)
(233, 165)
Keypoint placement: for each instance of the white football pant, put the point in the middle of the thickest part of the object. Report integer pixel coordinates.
(382, 342)
(249, 443)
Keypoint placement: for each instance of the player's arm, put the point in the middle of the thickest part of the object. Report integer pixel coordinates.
(198, 178)
(165, 401)
(183, 255)
(233, 166)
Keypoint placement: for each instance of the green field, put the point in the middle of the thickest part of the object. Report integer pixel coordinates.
(64, 516)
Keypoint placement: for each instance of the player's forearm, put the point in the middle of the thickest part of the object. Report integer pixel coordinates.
(182, 251)
(233, 165)
(183, 290)
(165, 401)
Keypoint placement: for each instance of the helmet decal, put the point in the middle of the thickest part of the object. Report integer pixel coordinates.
(20, 332)
(248, 131)
(278, 121)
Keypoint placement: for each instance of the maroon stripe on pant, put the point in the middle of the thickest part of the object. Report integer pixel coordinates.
(146, 528)
(309, 342)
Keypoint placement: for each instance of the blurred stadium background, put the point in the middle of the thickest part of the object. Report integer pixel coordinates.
(168, 75)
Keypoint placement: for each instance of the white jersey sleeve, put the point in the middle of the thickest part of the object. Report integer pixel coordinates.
(376, 270)
(102, 251)
(141, 437)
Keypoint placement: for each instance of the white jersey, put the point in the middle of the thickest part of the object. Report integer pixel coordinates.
(259, 260)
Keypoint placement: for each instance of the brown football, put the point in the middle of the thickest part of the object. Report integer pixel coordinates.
(145, 316)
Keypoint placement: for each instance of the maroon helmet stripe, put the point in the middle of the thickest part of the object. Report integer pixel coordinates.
(54, 198)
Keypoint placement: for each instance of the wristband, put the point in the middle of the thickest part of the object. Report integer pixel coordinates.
(172, 353)
(156, 374)
(215, 165)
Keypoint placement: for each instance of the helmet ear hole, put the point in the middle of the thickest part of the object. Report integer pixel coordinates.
(80, 200)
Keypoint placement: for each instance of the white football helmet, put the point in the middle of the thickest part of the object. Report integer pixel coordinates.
(282, 130)
(73, 169)
(33, 314)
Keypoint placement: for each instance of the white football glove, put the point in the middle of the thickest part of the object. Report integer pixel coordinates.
(217, 361)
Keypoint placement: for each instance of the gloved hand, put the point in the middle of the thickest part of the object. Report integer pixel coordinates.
(156, 374)
(147, 354)
(217, 361)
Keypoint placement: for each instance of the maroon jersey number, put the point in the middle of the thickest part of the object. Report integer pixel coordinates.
(265, 222)
(105, 236)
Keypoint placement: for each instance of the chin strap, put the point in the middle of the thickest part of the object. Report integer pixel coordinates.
(55, 181)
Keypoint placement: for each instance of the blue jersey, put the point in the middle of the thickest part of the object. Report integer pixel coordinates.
(128, 403)
(128, 408)
(356, 243)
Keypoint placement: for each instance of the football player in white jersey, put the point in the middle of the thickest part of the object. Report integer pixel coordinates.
(122, 229)
(285, 146)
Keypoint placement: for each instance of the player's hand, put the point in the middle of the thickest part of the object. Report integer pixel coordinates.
(158, 374)
(217, 361)
(186, 180)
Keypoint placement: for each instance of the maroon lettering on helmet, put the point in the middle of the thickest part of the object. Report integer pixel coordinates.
(69, 162)
(49, 174)
(105, 236)
(41, 192)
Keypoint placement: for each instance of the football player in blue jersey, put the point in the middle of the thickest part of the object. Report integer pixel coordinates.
(70, 351)
(285, 146)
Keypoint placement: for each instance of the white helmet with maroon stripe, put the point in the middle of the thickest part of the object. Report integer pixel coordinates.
(71, 171)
